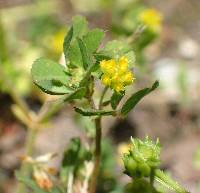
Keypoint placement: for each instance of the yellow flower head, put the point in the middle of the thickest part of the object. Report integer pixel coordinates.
(116, 74)
(151, 18)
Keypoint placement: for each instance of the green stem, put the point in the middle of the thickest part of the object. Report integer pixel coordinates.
(24, 170)
(97, 153)
(152, 177)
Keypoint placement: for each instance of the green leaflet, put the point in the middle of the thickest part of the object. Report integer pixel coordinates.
(136, 97)
(50, 76)
(168, 182)
(93, 39)
(55, 105)
(77, 94)
(67, 42)
(94, 112)
(80, 26)
(86, 59)
(116, 98)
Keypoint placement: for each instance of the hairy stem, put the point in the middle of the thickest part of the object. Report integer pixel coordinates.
(97, 153)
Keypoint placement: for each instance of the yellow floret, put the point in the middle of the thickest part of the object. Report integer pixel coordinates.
(118, 87)
(152, 18)
(106, 80)
(123, 59)
(128, 78)
(123, 64)
(116, 74)
(108, 66)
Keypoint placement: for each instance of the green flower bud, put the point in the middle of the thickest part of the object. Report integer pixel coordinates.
(144, 169)
(145, 155)
(131, 166)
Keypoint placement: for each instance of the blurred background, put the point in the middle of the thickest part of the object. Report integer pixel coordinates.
(34, 28)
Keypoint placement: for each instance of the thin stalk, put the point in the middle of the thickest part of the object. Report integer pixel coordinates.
(136, 34)
(97, 153)
(24, 170)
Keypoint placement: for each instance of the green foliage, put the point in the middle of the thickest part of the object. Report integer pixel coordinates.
(73, 160)
(80, 26)
(77, 81)
(94, 112)
(50, 76)
(136, 97)
(93, 39)
(67, 42)
(77, 94)
(90, 42)
(84, 53)
(116, 98)
(72, 153)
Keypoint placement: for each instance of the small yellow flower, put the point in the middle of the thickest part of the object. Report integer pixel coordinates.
(151, 18)
(108, 66)
(116, 74)
(123, 64)
(128, 78)
(118, 87)
(106, 79)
